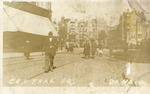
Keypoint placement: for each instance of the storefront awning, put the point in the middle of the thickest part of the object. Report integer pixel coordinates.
(18, 20)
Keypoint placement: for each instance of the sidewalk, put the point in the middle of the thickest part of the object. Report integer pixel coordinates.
(21, 55)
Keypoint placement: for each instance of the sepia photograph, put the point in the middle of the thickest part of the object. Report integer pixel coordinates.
(79, 43)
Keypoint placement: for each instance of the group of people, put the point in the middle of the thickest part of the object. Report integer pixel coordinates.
(90, 47)
(50, 48)
(69, 46)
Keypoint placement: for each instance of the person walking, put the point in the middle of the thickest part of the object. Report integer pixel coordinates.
(50, 47)
(110, 47)
(86, 51)
(27, 49)
(71, 45)
(100, 49)
(93, 48)
(67, 46)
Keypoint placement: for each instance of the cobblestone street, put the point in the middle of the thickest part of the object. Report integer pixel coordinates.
(71, 70)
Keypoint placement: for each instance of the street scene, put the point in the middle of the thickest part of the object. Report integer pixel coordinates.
(76, 44)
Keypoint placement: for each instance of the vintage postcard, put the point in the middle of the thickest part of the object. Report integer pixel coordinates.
(86, 46)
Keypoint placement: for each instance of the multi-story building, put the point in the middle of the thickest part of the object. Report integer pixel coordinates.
(83, 31)
(62, 28)
(44, 5)
(102, 25)
(94, 28)
(102, 31)
(134, 27)
(146, 35)
(72, 29)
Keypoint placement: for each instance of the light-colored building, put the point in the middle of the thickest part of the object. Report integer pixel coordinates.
(94, 28)
(44, 5)
(135, 27)
(102, 25)
(147, 34)
(72, 29)
(83, 31)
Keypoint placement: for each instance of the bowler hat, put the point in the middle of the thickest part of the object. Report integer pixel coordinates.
(50, 33)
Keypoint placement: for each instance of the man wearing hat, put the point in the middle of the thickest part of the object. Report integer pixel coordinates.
(50, 46)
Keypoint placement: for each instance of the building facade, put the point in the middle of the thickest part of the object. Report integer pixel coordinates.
(94, 28)
(83, 31)
(44, 5)
(72, 29)
(134, 27)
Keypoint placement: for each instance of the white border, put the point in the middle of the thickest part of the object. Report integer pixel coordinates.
(63, 90)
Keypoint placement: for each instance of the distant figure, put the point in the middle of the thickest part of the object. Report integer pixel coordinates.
(86, 51)
(99, 51)
(71, 45)
(67, 46)
(27, 49)
(100, 46)
(93, 48)
(138, 47)
(50, 47)
(110, 48)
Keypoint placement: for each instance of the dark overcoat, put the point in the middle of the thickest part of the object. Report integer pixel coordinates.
(50, 47)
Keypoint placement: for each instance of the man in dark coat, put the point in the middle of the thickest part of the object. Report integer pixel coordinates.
(93, 48)
(27, 49)
(50, 46)
(86, 51)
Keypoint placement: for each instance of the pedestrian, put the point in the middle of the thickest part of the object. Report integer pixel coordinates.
(67, 46)
(50, 47)
(86, 51)
(100, 51)
(138, 47)
(110, 48)
(27, 49)
(71, 45)
(93, 48)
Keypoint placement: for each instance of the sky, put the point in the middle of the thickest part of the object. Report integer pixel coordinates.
(90, 9)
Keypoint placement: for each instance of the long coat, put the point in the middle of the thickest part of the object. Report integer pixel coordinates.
(50, 46)
(93, 48)
(27, 47)
(86, 49)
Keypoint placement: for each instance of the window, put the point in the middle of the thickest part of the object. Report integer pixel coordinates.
(139, 35)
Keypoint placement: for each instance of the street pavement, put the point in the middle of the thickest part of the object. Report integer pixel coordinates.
(71, 70)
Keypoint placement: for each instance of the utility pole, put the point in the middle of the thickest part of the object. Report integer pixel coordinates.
(122, 28)
(136, 30)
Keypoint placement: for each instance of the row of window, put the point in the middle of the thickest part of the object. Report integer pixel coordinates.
(45, 5)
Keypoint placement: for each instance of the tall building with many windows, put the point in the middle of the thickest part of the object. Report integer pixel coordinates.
(44, 5)
(83, 31)
(134, 26)
(72, 29)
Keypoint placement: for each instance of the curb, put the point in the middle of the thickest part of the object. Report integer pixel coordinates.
(30, 55)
